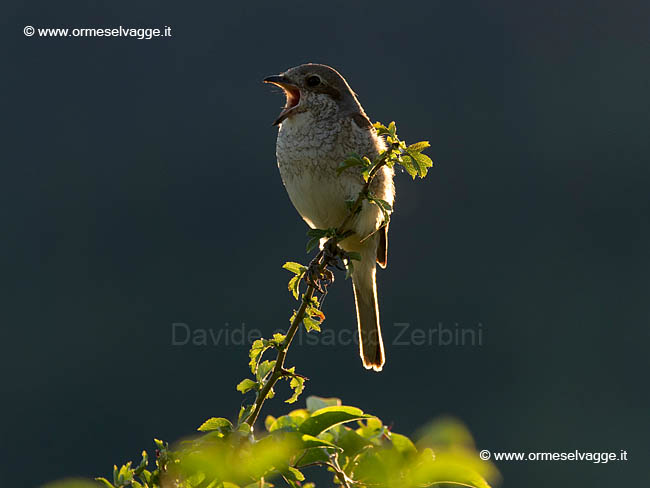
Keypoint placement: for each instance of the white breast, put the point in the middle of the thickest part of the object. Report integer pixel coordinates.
(309, 151)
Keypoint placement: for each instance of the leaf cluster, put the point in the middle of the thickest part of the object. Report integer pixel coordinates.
(357, 448)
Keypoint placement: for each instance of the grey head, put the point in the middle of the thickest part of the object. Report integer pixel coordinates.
(308, 85)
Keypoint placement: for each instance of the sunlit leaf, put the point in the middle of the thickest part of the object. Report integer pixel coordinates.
(422, 161)
(264, 368)
(70, 484)
(440, 471)
(328, 417)
(216, 423)
(256, 351)
(419, 146)
(351, 442)
(294, 286)
(295, 268)
(297, 384)
(268, 421)
(316, 403)
(286, 423)
(371, 429)
(403, 444)
(244, 412)
(246, 385)
(409, 166)
(311, 324)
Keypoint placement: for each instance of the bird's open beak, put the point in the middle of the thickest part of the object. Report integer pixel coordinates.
(291, 91)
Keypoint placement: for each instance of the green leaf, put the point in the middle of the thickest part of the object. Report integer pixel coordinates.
(351, 442)
(104, 481)
(264, 368)
(418, 146)
(380, 128)
(372, 429)
(289, 423)
(124, 476)
(314, 312)
(290, 482)
(298, 385)
(146, 476)
(326, 418)
(294, 285)
(385, 207)
(247, 385)
(316, 235)
(294, 474)
(143, 463)
(312, 243)
(382, 203)
(350, 162)
(354, 255)
(295, 268)
(422, 161)
(309, 441)
(403, 444)
(268, 421)
(216, 423)
(316, 403)
(314, 455)
(244, 428)
(311, 324)
(256, 351)
(244, 412)
(278, 339)
(438, 472)
(409, 166)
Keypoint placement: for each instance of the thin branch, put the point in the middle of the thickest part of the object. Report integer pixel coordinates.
(340, 474)
(319, 263)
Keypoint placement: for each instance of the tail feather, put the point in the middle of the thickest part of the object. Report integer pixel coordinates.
(371, 346)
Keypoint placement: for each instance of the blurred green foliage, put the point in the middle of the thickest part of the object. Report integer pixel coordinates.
(358, 449)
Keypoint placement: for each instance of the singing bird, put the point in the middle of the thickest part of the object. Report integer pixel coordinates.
(321, 124)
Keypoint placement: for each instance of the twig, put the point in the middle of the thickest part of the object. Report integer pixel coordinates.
(320, 263)
(345, 481)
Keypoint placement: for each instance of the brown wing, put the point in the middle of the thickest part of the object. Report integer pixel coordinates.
(362, 121)
(382, 248)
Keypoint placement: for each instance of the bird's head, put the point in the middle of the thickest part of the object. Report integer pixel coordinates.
(312, 87)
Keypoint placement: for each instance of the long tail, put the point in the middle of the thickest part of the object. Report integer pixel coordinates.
(371, 346)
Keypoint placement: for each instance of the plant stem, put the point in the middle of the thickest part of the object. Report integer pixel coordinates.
(279, 371)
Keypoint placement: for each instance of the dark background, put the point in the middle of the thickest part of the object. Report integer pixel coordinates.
(139, 188)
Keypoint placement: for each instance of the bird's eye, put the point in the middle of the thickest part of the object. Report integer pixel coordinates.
(313, 81)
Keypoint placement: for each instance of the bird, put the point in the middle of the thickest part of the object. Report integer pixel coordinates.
(320, 125)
